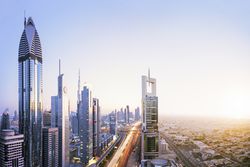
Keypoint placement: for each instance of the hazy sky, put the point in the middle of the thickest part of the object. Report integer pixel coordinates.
(198, 51)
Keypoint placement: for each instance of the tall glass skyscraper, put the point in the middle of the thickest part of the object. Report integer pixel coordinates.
(150, 133)
(30, 90)
(85, 123)
(96, 127)
(50, 147)
(60, 120)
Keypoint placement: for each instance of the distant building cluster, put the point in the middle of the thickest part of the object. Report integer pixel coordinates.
(224, 147)
(126, 116)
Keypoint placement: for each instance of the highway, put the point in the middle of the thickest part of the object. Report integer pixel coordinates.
(104, 155)
(122, 154)
(185, 160)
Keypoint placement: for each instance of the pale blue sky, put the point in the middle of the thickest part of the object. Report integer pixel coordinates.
(197, 50)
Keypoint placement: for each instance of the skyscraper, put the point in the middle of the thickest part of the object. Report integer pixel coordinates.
(74, 116)
(47, 118)
(127, 114)
(50, 147)
(11, 147)
(85, 123)
(5, 123)
(15, 118)
(137, 114)
(54, 111)
(112, 123)
(150, 134)
(122, 116)
(96, 127)
(74, 123)
(60, 120)
(30, 90)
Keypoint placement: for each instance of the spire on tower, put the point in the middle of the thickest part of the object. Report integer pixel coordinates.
(79, 86)
(24, 18)
(59, 66)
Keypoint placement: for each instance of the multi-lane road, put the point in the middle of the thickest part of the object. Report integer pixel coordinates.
(188, 162)
(105, 154)
(123, 152)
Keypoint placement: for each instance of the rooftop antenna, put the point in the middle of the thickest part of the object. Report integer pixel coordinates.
(24, 18)
(79, 86)
(59, 66)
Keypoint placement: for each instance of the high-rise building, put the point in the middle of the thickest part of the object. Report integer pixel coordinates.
(11, 147)
(15, 118)
(50, 147)
(74, 122)
(54, 111)
(60, 120)
(127, 114)
(112, 123)
(122, 116)
(14, 122)
(74, 116)
(150, 134)
(5, 123)
(119, 116)
(30, 90)
(96, 127)
(47, 118)
(85, 123)
(137, 114)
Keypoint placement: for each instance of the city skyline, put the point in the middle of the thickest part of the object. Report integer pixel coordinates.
(205, 66)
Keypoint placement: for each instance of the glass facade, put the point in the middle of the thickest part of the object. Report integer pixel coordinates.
(151, 110)
(85, 123)
(60, 120)
(150, 133)
(30, 90)
(96, 127)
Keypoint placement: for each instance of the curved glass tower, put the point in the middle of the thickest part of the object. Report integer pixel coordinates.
(30, 93)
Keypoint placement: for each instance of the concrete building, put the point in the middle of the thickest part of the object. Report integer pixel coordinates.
(150, 133)
(11, 149)
(60, 120)
(158, 163)
(85, 125)
(50, 147)
(163, 146)
(30, 90)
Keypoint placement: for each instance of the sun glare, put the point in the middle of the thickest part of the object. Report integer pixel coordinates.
(236, 107)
